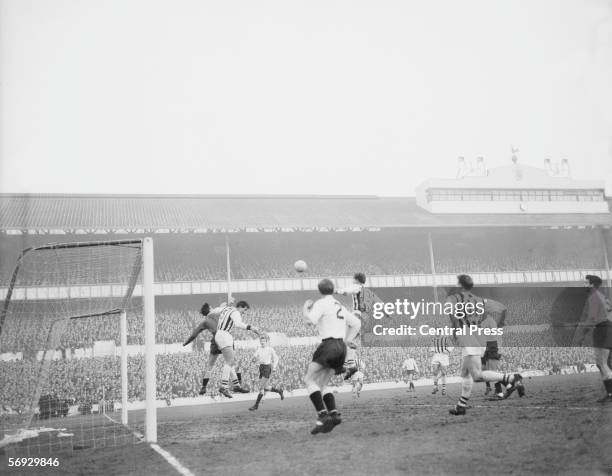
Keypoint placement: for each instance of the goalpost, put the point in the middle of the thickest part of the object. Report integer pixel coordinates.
(62, 300)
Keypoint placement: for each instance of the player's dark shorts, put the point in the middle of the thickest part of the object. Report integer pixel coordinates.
(265, 371)
(331, 354)
(602, 335)
(214, 348)
(407, 372)
(490, 355)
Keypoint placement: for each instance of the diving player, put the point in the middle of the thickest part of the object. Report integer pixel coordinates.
(440, 361)
(337, 327)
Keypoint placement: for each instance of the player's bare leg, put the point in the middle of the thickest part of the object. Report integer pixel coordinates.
(411, 387)
(435, 370)
(236, 381)
(317, 380)
(443, 378)
(602, 359)
(493, 364)
(350, 363)
(229, 365)
(263, 382)
(212, 358)
(471, 370)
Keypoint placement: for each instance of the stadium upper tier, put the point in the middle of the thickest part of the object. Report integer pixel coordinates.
(100, 213)
(393, 251)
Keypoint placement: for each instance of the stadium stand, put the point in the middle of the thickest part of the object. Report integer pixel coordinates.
(335, 237)
(200, 257)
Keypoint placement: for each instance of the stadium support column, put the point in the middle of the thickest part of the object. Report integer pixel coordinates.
(228, 269)
(432, 263)
(124, 369)
(606, 261)
(149, 327)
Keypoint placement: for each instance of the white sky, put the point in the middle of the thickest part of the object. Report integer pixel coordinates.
(279, 96)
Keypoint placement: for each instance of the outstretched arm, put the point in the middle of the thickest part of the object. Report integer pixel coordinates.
(195, 333)
(240, 324)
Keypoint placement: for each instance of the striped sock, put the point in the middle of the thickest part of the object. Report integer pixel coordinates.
(443, 386)
(224, 384)
(463, 402)
(235, 383)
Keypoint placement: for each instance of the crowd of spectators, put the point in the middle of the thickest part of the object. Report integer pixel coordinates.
(471, 251)
(179, 375)
(281, 312)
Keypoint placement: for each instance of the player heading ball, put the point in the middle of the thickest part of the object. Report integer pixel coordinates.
(337, 326)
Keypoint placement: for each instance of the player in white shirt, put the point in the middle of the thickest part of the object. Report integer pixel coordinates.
(472, 348)
(267, 359)
(223, 341)
(440, 361)
(357, 378)
(409, 370)
(337, 327)
(357, 292)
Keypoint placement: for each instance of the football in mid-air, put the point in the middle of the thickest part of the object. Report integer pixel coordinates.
(300, 266)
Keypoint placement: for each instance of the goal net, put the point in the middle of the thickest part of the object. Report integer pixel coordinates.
(64, 324)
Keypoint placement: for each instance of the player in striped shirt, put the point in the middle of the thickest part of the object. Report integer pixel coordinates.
(440, 361)
(357, 378)
(267, 359)
(211, 323)
(357, 291)
(229, 317)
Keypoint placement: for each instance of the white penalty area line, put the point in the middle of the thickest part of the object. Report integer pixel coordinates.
(170, 459)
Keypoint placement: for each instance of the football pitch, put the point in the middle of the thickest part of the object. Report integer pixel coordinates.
(558, 428)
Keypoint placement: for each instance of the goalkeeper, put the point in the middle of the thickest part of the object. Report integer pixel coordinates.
(210, 322)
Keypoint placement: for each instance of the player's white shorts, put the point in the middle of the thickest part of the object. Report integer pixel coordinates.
(224, 339)
(440, 359)
(477, 351)
(357, 377)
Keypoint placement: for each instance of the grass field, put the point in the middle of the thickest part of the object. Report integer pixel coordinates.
(557, 429)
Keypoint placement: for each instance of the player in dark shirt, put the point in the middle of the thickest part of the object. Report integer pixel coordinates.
(209, 323)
